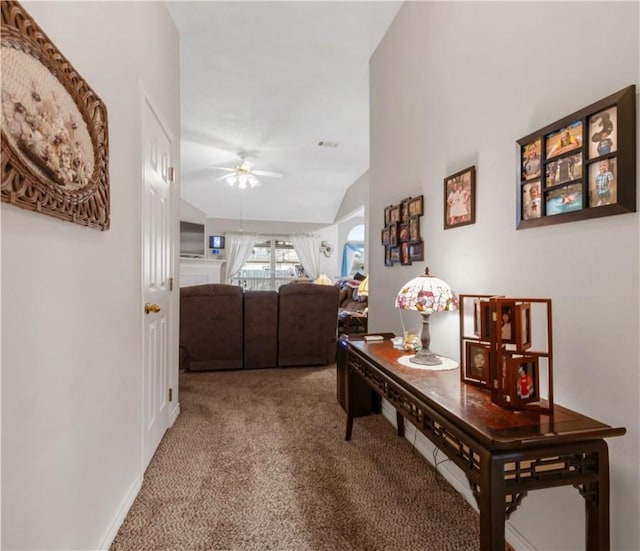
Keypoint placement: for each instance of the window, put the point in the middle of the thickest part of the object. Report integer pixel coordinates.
(272, 263)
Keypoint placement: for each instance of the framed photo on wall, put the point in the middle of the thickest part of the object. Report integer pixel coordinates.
(581, 166)
(460, 198)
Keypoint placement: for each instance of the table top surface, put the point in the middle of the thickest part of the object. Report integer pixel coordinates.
(470, 408)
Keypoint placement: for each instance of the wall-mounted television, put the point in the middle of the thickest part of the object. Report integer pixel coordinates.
(191, 240)
(216, 241)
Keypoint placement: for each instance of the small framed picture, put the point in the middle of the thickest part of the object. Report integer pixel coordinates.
(387, 215)
(405, 258)
(564, 140)
(603, 135)
(476, 317)
(565, 199)
(395, 215)
(531, 200)
(531, 161)
(394, 255)
(565, 169)
(476, 361)
(460, 198)
(416, 251)
(485, 319)
(404, 209)
(387, 257)
(522, 320)
(393, 235)
(414, 229)
(384, 238)
(507, 322)
(603, 188)
(522, 380)
(416, 206)
(403, 235)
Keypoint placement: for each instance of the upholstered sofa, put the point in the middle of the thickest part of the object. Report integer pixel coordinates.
(352, 308)
(224, 327)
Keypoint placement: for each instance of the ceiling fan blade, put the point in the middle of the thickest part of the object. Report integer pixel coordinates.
(224, 168)
(223, 177)
(267, 173)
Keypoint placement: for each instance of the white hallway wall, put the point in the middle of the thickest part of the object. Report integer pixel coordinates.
(455, 84)
(71, 301)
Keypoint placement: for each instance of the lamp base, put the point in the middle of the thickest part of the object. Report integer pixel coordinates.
(425, 357)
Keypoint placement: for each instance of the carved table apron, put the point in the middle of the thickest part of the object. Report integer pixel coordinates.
(503, 453)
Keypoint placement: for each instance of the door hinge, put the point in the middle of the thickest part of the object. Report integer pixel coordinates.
(170, 284)
(171, 174)
(170, 394)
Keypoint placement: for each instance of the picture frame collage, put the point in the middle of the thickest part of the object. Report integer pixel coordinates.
(582, 166)
(401, 236)
(496, 350)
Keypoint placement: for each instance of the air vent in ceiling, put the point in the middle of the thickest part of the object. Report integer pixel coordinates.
(327, 144)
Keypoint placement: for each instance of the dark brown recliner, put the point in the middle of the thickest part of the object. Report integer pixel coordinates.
(307, 324)
(211, 327)
(260, 329)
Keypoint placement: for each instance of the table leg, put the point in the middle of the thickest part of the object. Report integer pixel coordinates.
(596, 498)
(492, 503)
(347, 402)
(400, 423)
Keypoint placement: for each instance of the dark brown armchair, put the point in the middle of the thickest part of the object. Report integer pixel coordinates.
(307, 324)
(211, 327)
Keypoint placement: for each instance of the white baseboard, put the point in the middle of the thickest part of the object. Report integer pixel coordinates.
(174, 414)
(451, 473)
(112, 531)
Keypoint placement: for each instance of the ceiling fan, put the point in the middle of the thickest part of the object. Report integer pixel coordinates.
(243, 174)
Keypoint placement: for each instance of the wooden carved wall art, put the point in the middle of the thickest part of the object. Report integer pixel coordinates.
(54, 128)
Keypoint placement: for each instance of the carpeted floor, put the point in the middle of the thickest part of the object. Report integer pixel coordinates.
(257, 461)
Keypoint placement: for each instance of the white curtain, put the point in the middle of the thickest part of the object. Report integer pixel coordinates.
(239, 247)
(308, 250)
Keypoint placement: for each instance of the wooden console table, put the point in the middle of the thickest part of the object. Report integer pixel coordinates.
(504, 454)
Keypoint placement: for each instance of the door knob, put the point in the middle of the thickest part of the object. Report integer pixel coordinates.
(148, 308)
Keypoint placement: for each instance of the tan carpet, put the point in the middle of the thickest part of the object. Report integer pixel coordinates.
(257, 460)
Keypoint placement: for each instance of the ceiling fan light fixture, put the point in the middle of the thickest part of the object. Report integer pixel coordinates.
(253, 181)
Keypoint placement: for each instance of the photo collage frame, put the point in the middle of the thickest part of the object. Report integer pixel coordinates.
(582, 166)
(497, 350)
(401, 236)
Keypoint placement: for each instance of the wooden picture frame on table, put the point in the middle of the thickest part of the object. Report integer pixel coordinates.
(476, 366)
(460, 198)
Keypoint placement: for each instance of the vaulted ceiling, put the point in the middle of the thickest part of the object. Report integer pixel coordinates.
(272, 80)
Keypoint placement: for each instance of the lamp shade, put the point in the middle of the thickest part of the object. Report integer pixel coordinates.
(323, 279)
(363, 288)
(426, 294)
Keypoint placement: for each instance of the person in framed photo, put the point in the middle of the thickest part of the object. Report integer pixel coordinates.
(604, 183)
(524, 384)
(506, 329)
(567, 142)
(603, 134)
(478, 362)
(531, 164)
(532, 201)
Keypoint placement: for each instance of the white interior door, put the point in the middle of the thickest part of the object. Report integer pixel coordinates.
(156, 257)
